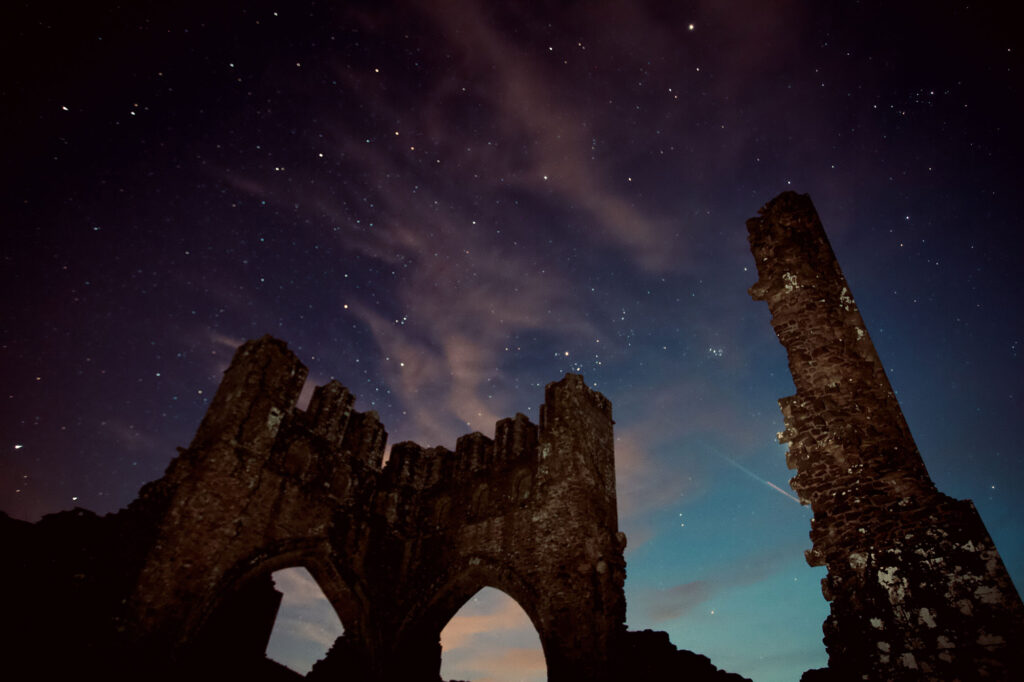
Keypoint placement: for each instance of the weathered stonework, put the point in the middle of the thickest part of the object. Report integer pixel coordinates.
(917, 588)
(397, 549)
(177, 585)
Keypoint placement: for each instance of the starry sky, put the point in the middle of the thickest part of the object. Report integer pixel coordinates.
(447, 205)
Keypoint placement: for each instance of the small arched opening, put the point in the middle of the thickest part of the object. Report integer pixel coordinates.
(492, 638)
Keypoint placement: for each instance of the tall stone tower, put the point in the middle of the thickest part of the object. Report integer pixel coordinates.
(917, 588)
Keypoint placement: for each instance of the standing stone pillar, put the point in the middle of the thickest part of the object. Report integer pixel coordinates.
(917, 588)
(581, 546)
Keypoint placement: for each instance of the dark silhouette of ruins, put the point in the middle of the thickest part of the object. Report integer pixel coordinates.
(178, 585)
(917, 588)
(397, 549)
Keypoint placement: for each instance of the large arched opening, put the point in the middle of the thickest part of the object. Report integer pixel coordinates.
(307, 624)
(274, 610)
(492, 638)
(503, 614)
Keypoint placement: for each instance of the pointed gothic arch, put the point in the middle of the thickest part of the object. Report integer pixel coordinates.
(491, 635)
(307, 624)
(342, 591)
(463, 581)
(236, 617)
(419, 636)
(397, 549)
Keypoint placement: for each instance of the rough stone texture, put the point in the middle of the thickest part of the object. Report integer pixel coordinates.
(396, 550)
(917, 588)
(178, 585)
(399, 549)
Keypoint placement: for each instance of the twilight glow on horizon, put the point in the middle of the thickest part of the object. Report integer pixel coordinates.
(448, 205)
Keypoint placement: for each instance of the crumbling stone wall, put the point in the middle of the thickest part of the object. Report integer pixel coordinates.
(177, 585)
(917, 588)
(397, 549)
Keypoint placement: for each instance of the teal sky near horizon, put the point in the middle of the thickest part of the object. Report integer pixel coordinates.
(448, 205)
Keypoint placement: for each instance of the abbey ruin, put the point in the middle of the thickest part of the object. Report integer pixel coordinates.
(917, 588)
(397, 549)
(178, 583)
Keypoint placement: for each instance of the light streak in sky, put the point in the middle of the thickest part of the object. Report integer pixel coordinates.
(754, 476)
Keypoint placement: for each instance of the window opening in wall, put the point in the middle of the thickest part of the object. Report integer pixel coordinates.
(306, 624)
(491, 638)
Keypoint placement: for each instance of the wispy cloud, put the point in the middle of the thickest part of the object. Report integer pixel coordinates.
(130, 438)
(300, 588)
(492, 638)
(489, 612)
(229, 343)
(558, 133)
(680, 599)
(661, 605)
(651, 442)
(642, 484)
(507, 665)
(465, 265)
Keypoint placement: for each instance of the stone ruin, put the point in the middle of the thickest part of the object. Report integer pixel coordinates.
(917, 588)
(396, 549)
(178, 583)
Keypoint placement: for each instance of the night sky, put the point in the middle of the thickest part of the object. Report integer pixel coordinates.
(447, 205)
